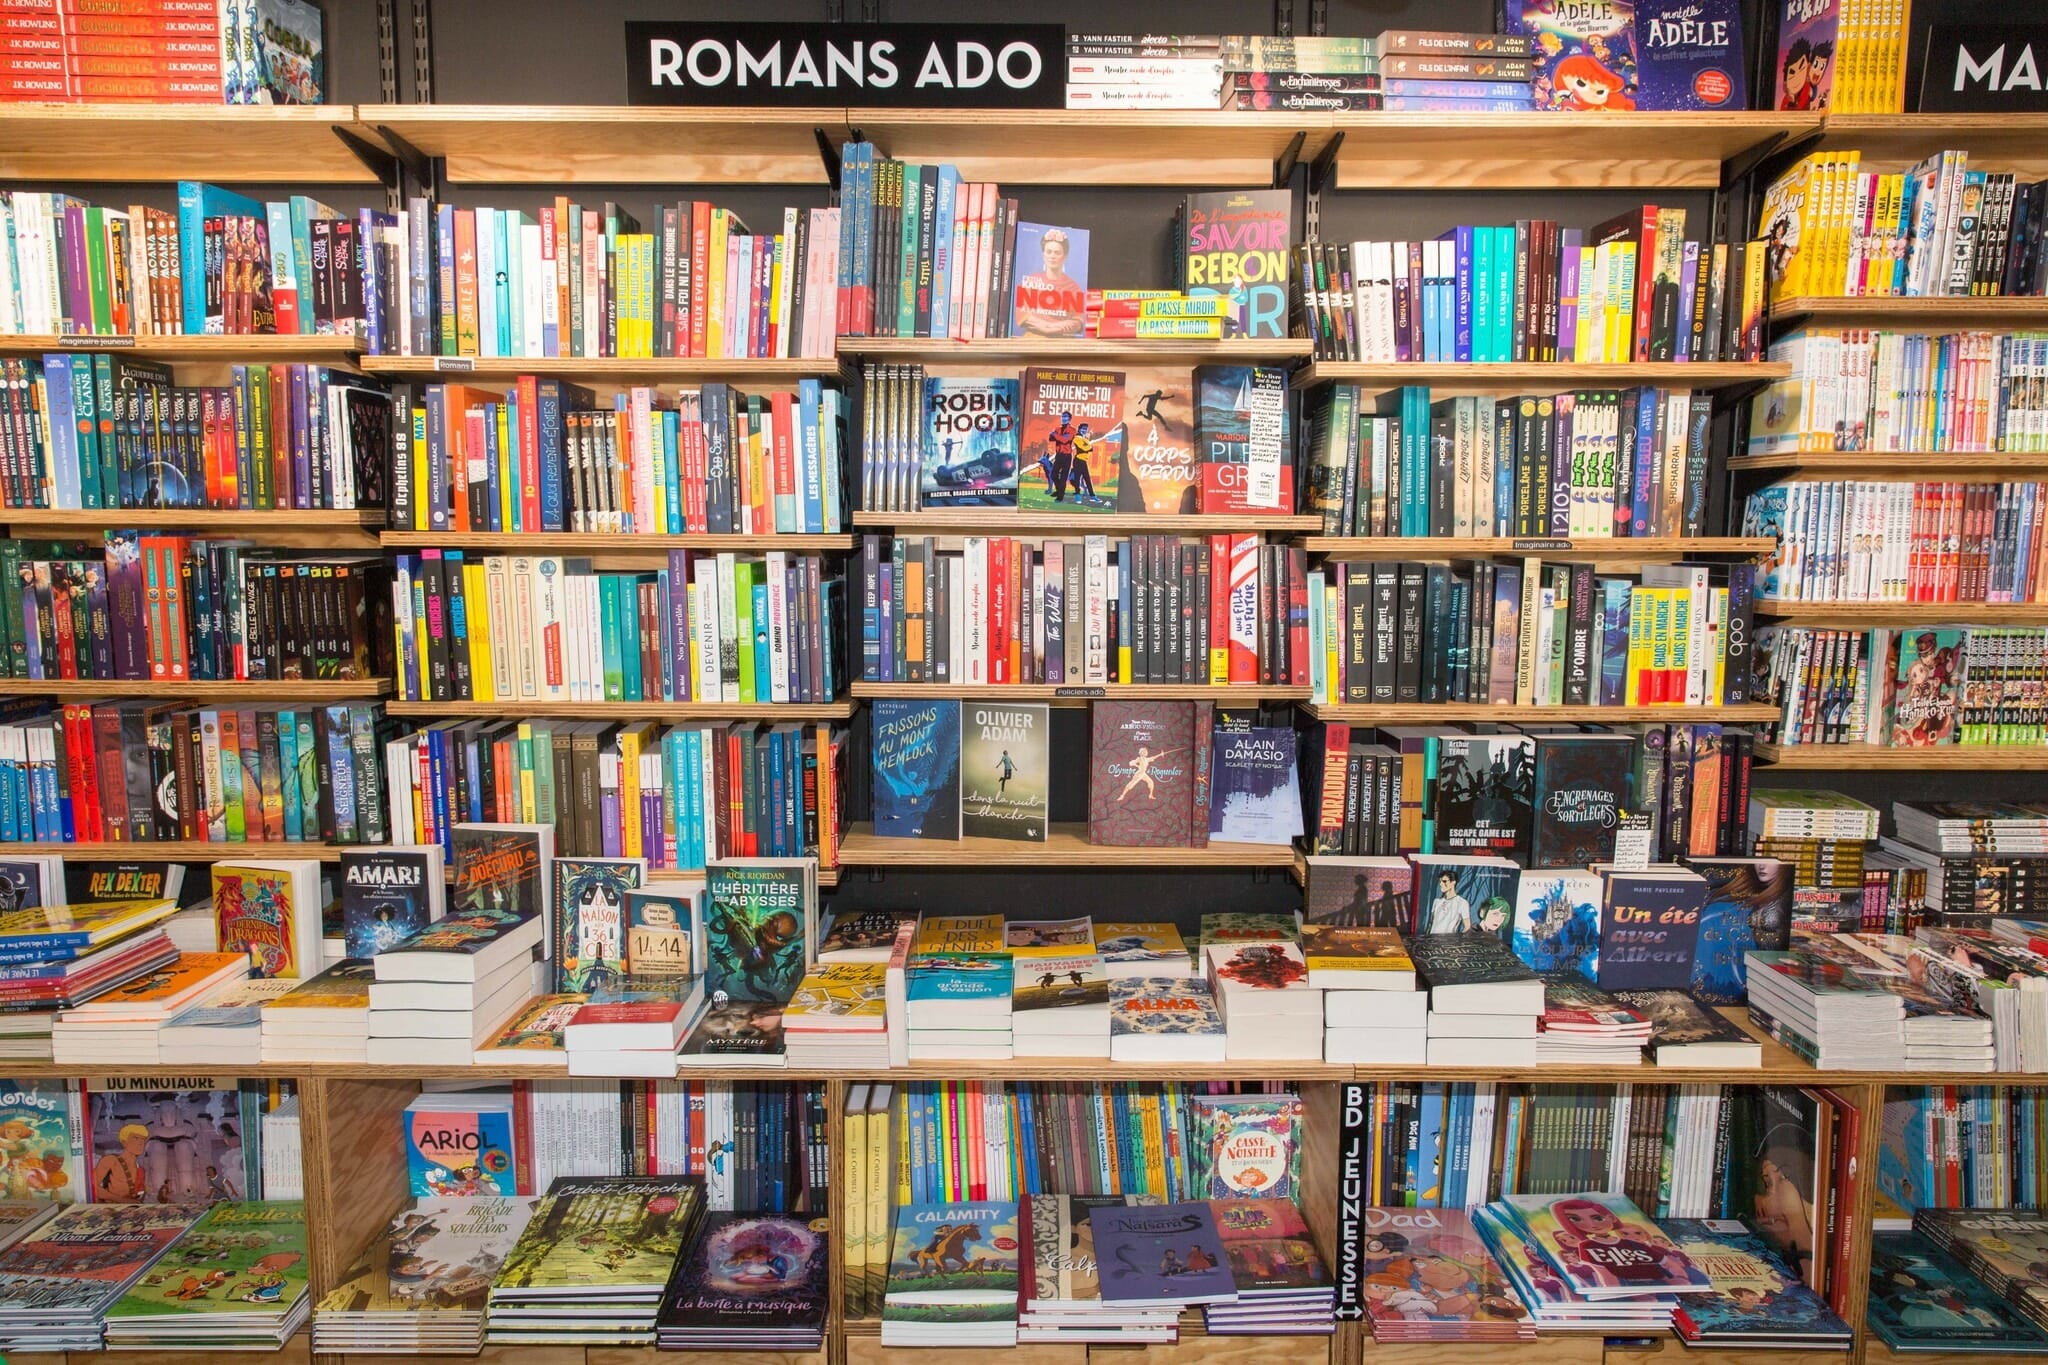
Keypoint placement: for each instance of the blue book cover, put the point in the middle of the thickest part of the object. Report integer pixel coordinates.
(1256, 798)
(1748, 909)
(1649, 929)
(960, 977)
(916, 759)
(1160, 1254)
(1922, 1300)
(1614, 623)
(1583, 52)
(1557, 921)
(1429, 1144)
(459, 1146)
(1755, 1294)
(1689, 55)
(970, 452)
(387, 895)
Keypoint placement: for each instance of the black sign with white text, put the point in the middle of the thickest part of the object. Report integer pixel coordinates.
(1985, 69)
(922, 66)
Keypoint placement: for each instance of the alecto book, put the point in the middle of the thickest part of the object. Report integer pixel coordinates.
(590, 918)
(970, 442)
(1005, 771)
(917, 768)
(1161, 1254)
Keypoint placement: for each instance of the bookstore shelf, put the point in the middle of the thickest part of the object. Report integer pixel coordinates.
(250, 350)
(607, 369)
(1462, 376)
(629, 710)
(1066, 846)
(159, 143)
(1096, 147)
(593, 542)
(1072, 351)
(176, 851)
(2006, 141)
(349, 530)
(1010, 521)
(552, 144)
(2024, 311)
(1946, 463)
(1224, 694)
(1850, 757)
(1432, 713)
(1641, 150)
(1904, 613)
(1617, 549)
(250, 691)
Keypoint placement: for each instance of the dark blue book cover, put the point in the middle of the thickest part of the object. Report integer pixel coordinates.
(1689, 55)
(1162, 1253)
(1923, 1301)
(1748, 908)
(1649, 927)
(1582, 788)
(917, 769)
(1256, 799)
(1614, 621)
(387, 895)
(1583, 52)
(1755, 1294)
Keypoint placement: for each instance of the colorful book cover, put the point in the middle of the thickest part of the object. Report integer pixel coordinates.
(1927, 689)
(1805, 71)
(1582, 789)
(1689, 55)
(1052, 281)
(745, 1029)
(184, 974)
(958, 934)
(82, 1260)
(1748, 908)
(344, 986)
(1605, 1248)
(1922, 1300)
(500, 868)
(745, 1271)
(465, 933)
(1583, 52)
(439, 1254)
(1430, 1265)
(1005, 771)
(42, 1140)
(1235, 244)
(2005, 1248)
(1244, 926)
(1242, 420)
(1063, 1244)
(1557, 921)
(621, 1232)
(1269, 1246)
(590, 918)
(1755, 1293)
(1649, 929)
(1165, 1253)
(970, 442)
(1071, 449)
(865, 935)
(1367, 893)
(960, 977)
(1456, 895)
(1128, 945)
(127, 881)
(1078, 932)
(1182, 1005)
(1256, 798)
(664, 933)
(1160, 474)
(917, 768)
(1341, 948)
(256, 911)
(160, 1146)
(239, 1259)
(1055, 978)
(454, 1150)
(1485, 793)
(1141, 774)
(840, 996)
(953, 1264)
(754, 933)
(535, 1031)
(388, 894)
(1247, 1146)
(1572, 1004)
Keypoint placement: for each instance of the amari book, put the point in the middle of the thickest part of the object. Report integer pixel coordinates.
(1557, 921)
(756, 930)
(1605, 1248)
(1756, 1299)
(970, 442)
(748, 1272)
(388, 894)
(590, 918)
(1071, 450)
(42, 1140)
(1162, 1254)
(916, 763)
(1921, 1300)
(242, 1259)
(1005, 771)
(953, 1274)
(1748, 909)
(439, 1254)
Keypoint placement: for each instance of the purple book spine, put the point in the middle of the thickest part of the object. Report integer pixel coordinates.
(1688, 285)
(1568, 244)
(1561, 470)
(677, 680)
(77, 273)
(126, 614)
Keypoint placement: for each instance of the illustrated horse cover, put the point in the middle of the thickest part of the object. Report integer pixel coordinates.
(954, 1263)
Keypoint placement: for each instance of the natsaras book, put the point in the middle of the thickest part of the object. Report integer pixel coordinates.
(1557, 921)
(1690, 55)
(388, 894)
(1256, 797)
(749, 1272)
(1748, 908)
(970, 442)
(1604, 1248)
(1582, 789)
(1052, 281)
(1163, 1254)
(917, 769)
(1485, 789)
(1583, 52)
(1649, 929)
(1236, 244)
(500, 868)
(1805, 70)
(1072, 442)
(1141, 783)
(1005, 772)
(756, 930)
(590, 918)
(1160, 474)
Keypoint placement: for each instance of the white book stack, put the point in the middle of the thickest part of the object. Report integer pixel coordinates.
(839, 1016)
(958, 1007)
(1484, 1002)
(326, 1019)
(1384, 1028)
(225, 1030)
(1837, 1017)
(121, 1026)
(632, 1037)
(1270, 1012)
(441, 994)
(283, 1153)
(1059, 1004)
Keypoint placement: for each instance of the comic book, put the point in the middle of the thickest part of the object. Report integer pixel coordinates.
(1425, 1269)
(149, 1145)
(438, 1254)
(1071, 447)
(240, 1260)
(1604, 1248)
(80, 1262)
(953, 1275)
(619, 1232)
(1756, 1299)
(1922, 1300)
(42, 1140)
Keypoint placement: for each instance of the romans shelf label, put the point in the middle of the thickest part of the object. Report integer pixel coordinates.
(904, 66)
(450, 364)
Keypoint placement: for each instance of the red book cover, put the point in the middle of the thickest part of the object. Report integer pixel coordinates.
(782, 427)
(1018, 553)
(700, 270)
(690, 442)
(1297, 616)
(522, 1136)
(999, 609)
(1243, 608)
(175, 625)
(115, 819)
(1141, 782)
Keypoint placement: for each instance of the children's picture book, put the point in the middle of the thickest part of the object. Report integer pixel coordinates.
(952, 1266)
(1605, 1248)
(1063, 1245)
(438, 1254)
(270, 910)
(533, 1035)
(1689, 55)
(42, 1140)
(388, 894)
(128, 881)
(1052, 281)
(1649, 929)
(1756, 1295)
(166, 1146)
(1430, 1265)
(1748, 909)
(958, 934)
(757, 930)
(916, 761)
(1235, 243)
(27, 881)
(88, 1255)
(1077, 933)
(589, 897)
(2005, 1248)
(1363, 893)
(1557, 921)
(1160, 473)
(750, 1271)
(1583, 52)
(1256, 798)
(1921, 1300)
(970, 442)
(1071, 449)
(458, 1145)
(1269, 1245)
(1005, 771)
(665, 931)
(501, 868)
(1582, 790)
(1805, 70)
(623, 1232)
(242, 1258)
(1141, 783)
(1161, 1254)
(1456, 895)
(1247, 1146)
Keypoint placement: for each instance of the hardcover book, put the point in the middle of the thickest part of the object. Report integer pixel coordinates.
(1922, 1300)
(439, 1254)
(254, 1258)
(1604, 1248)
(1160, 474)
(1689, 55)
(1270, 1248)
(1485, 787)
(1756, 1296)
(1583, 52)
(953, 1269)
(1369, 893)
(1430, 1265)
(749, 1272)
(388, 894)
(1649, 929)
(1458, 895)
(1063, 1246)
(271, 911)
(1582, 789)
(1678, 1022)
(2002, 1247)
(1557, 921)
(1475, 966)
(756, 931)
(1247, 1146)
(1141, 781)
(1072, 443)
(1748, 909)
(589, 897)
(1005, 771)
(916, 768)
(165, 1146)
(1805, 70)
(665, 932)
(1052, 281)
(1235, 244)
(82, 1260)
(1161, 1254)
(619, 1232)
(500, 868)
(1256, 798)
(970, 442)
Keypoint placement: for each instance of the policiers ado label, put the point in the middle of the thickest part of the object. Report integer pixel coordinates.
(922, 66)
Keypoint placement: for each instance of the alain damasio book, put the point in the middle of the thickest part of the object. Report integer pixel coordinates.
(1257, 798)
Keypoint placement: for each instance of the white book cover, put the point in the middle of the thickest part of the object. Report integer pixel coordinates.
(974, 556)
(704, 629)
(728, 640)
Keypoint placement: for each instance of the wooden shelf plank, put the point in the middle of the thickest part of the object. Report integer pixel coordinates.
(1237, 694)
(37, 523)
(159, 143)
(605, 369)
(1386, 150)
(1428, 713)
(177, 851)
(2016, 142)
(1010, 521)
(253, 350)
(249, 692)
(1094, 146)
(1079, 352)
(1616, 549)
(1549, 376)
(1922, 312)
(588, 542)
(540, 144)
(1067, 846)
(1946, 463)
(1905, 613)
(1854, 757)
(629, 710)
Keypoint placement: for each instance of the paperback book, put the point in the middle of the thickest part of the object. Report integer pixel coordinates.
(1005, 772)
(916, 768)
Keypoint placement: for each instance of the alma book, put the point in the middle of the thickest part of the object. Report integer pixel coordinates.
(953, 1276)
(1163, 1019)
(388, 894)
(270, 909)
(1141, 785)
(1005, 772)
(917, 768)
(1161, 1254)
(589, 896)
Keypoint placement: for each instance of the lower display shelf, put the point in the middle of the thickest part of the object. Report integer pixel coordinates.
(1850, 757)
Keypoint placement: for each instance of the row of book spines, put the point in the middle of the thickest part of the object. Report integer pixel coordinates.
(1879, 242)
(546, 458)
(1355, 795)
(1629, 462)
(1997, 687)
(1870, 58)
(924, 252)
(1982, 1148)
(706, 628)
(1864, 389)
(1930, 542)
(678, 797)
(223, 776)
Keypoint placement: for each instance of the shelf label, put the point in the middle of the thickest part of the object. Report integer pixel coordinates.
(453, 364)
(1984, 68)
(1084, 692)
(95, 343)
(1541, 545)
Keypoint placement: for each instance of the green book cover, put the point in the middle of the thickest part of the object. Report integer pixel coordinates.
(742, 607)
(610, 1232)
(239, 1258)
(96, 270)
(905, 282)
(614, 666)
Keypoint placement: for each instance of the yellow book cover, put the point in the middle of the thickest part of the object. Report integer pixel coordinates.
(884, 1162)
(839, 997)
(422, 516)
(508, 464)
(853, 1126)
(1782, 226)
(1717, 679)
(534, 1033)
(1663, 641)
(1639, 608)
(714, 291)
(1138, 948)
(344, 986)
(476, 600)
(80, 926)
(525, 750)
(631, 832)
(958, 934)
(1845, 220)
(1335, 948)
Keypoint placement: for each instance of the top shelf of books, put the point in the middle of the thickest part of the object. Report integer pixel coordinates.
(236, 144)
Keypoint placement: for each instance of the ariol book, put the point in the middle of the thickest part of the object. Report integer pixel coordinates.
(747, 1273)
(1582, 790)
(1161, 1254)
(620, 1232)
(970, 442)
(1604, 1248)
(1756, 1299)
(82, 1260)
(1255, 797)
(388, 894)
(245, 1259)
(270, 910)
(438, 1254)
(1557, 921)
(1141, 783)
(42, 1135)
(759, 926)
(1236, 243)
(148, 1144)
(1485, 790)
(1649, 929)
(1005, 771)
(500, 868)
(953, 1275)
(1160, 474)
(1456, 895)
(1583, 52)
(916, 761)
(1072, 442)
(1921, 1300)
(1244, 439)
(460, 1144)
(1051, 297)
(590, 918)
(1689, 55)
(1247, 1146)
(665, 931)
(1363, 893)
(1748, 908)
(1805, 71)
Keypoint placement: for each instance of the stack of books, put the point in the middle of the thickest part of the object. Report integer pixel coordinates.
(591, 1266)
(1834, 1016)
(257, 1249)
(1164, 1019)
(420, 1286)
(1552, 1303)
(444, 991)
(58, 1282)
(839, 1016)
(1283, 1287)
(1458, 73)
(2001, 1247)
(1583, 1239)
(1582, 1024)
(752, 1281)
(326, 1019)
(1373, 1011)
(959, 1006)
(224, 1030)
(1231, 71)
(1907, 1271)
(58, 956)
(974, 1299)
(1153, 949)
(1062, 1291)
(1270, 1012)
(1685, 1032)
(1408, 1305)
(1161, 1256)
(1757, 1301)
(1483, 1002)
(1059, 1000)
(120, 1026)
(1963, 827)
(631, 1032)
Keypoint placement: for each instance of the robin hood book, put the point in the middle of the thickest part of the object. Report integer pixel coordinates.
(589, 896)
(970, 442)
(916, 768)
(1005, 771)
(1071, 447)
(388, 894)
(1142, 774)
